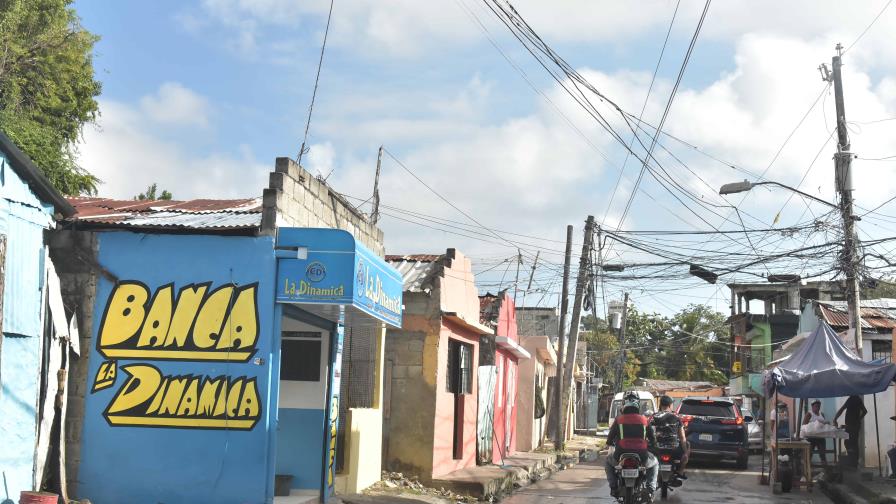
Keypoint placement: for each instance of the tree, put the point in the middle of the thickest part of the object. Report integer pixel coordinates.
(150, 194)
(47, 87)
(691, 345)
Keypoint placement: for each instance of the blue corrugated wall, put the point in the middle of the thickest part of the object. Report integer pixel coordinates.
(23, 217)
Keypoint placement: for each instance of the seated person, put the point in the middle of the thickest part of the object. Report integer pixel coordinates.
(630, 433)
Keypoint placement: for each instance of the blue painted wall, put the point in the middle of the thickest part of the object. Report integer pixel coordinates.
(180, 465)
(23, 218)
(300, 439)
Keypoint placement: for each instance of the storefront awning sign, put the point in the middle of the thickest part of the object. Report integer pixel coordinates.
(328, 267)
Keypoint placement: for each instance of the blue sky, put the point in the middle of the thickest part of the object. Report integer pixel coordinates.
(202, 96)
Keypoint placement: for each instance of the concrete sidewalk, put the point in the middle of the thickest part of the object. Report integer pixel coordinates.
(861, 488)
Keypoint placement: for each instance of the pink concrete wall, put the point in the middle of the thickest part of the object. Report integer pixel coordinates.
(443, 461)
(458, 288)
(508, 382)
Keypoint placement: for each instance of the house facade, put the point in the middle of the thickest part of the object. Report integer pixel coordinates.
(499, 313)
(216, 332)
(532, 397)
(432, 393)
(34, 329)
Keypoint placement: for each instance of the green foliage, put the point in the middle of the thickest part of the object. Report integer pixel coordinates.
(150, 194)
(692, 345)
(47, 87)
(883, 289)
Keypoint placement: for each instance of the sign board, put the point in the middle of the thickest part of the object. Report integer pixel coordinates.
(736, 367)
(334, 269)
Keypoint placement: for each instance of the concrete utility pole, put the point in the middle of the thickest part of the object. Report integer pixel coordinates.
(581, 278)
(561, 343)
(375, 213)
(849, 257)
(622, 325)
(516, 283)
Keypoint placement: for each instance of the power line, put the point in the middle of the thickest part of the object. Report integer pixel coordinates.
(879, 14)
(641, 114)
(662, 122)
(320, 64)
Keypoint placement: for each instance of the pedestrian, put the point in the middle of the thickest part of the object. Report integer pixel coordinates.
(855, 412)
(816, 443)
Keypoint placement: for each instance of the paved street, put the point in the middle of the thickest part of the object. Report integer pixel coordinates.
(586, 484)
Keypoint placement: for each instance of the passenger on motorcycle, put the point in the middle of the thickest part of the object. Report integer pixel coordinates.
(669, 431)
(630, 433)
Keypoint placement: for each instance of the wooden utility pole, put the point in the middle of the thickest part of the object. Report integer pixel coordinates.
(849, 258)
(375, 213)
(621, 365)
(581, 278)
(561, 344)
(516, 283)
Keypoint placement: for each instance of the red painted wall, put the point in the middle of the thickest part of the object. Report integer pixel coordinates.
(507, 384)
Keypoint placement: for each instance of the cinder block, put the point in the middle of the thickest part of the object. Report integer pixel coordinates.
(277, 180)
(415, 371)
(400, 372)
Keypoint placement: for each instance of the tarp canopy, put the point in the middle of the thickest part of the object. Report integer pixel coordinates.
(824, 367)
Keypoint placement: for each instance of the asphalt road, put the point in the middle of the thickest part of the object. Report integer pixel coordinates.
(707, 483)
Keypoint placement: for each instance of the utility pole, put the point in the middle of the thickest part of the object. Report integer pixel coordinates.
(561, 343)
(849, 257)
(516, 284)
(621, 364)
(531, 276)
(581, 278)
(375, 213)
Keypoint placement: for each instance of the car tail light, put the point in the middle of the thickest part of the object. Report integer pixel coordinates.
(629, 463)
(665, 457)
(686, 419)
(733, 421)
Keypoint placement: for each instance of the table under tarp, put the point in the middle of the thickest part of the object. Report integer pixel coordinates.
(823, 367)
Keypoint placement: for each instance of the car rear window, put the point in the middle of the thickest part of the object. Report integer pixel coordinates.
(716, 409)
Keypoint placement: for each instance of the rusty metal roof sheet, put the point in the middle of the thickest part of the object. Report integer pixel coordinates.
(416, 271)
(667, 385)
(208, 214)
(876, 313)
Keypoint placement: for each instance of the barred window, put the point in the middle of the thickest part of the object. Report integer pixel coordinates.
(881, 350)
(460, 367)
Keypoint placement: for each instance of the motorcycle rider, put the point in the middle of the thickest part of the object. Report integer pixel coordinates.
(630, 433)
(669, 431)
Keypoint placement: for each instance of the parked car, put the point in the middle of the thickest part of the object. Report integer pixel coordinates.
(715, 429)
(754, 431)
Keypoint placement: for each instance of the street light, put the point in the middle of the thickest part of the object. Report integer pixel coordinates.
(746, 185)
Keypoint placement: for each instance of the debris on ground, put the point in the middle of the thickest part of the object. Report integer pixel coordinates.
(396, 483)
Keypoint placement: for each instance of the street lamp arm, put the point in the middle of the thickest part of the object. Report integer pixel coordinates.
(770, 182)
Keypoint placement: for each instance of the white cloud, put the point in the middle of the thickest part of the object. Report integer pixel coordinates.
(128, 155)
(175, 104)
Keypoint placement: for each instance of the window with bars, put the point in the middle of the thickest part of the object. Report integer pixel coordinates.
(460, 368)
(881, 349)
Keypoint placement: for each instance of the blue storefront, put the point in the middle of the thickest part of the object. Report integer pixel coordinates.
(204, 382)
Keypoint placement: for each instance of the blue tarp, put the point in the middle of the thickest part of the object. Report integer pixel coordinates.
(824, 367)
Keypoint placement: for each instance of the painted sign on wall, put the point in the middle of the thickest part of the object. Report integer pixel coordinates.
(201, 324)
(337, 270)
(179, 377)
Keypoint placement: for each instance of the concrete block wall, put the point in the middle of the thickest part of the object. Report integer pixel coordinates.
(74, 254)
(295, 198)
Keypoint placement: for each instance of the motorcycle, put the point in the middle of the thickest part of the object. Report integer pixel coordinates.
(631, 475)
(668, 473)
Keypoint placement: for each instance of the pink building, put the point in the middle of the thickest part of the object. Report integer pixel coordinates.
(499, 313)
(431, 370)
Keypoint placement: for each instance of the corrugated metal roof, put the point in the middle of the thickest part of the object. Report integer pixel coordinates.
(416, 271)
(666, 385)
(191, 214)
(876, 313)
